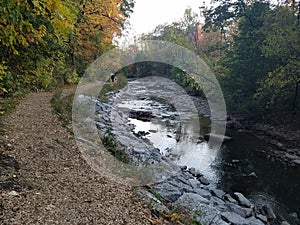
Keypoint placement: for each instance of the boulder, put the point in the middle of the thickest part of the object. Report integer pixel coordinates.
(269, 212)
(198, 174)
(233, 218)
(228, 198)
(262, 218)
(203, 193)
(194, 183)
(183, 168)
(218, 221)
(206, 214)
(297, 161)
(181, 178)
(218, 203)
(243, 212)
(242, 200)
(192, 201)
(145, 116)
(192, 171)
(217, 192)
(168, 191)
(252, 174)
(203, 181)
(291, 156)
(152, 200)
(182, 186)
(254, 221)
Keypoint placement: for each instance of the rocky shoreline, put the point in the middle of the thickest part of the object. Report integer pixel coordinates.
(187, 188)
(286, 142)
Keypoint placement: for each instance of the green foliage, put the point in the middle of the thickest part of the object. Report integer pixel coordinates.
(40, 40)
(9, 85)
(7, 105)
(182, 32)
(244, 61)
(62, 105)
(279, 90)
(13, 27)
(260, 68)
(280, 87)
(127, 7)
(112, 146)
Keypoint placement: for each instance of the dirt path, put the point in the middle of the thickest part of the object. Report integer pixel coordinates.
(54, 185)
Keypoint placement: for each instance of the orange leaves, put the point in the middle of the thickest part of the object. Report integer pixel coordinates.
(164, 219)
(101, 21)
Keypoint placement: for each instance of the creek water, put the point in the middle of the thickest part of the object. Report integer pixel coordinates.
(238, 166)
(276, 183)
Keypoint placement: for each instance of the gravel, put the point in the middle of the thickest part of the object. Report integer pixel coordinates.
(60, 187)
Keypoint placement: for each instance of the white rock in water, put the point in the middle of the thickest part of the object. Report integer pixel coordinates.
(297, 161)
(217, 136)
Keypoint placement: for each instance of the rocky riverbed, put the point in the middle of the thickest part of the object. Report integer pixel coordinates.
(187, 187)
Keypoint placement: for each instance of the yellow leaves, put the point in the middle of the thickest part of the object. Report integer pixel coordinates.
(163, 219)
(62, 16)
(53, 5)
(175, 216)
(42, 31)
(101, 21)
(3, 69)
(37, 34)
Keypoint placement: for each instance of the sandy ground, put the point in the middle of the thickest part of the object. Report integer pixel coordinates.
(44, 179)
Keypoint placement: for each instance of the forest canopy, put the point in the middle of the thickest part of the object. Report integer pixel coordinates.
(44, 43)
(253, 47)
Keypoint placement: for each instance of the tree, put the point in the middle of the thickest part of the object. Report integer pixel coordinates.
(101, 20)
(47, 42)
(280, 88)
(245, 62)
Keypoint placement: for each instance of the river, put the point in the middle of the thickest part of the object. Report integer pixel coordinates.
(238, 166)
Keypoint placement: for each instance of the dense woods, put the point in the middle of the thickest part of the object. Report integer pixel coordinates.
(260, 64)
(48, 43)
(253, 47)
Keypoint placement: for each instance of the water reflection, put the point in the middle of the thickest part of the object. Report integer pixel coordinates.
(179, 139)
(276, 184)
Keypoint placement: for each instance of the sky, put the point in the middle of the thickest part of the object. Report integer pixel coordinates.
(150, 13)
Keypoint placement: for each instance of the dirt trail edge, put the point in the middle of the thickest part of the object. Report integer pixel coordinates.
(54, 185)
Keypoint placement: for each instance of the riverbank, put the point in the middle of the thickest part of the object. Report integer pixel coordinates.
(280, 130)
(44, 179)
(187, 188)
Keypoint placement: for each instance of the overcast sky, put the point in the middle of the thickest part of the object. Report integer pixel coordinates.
(150, 13)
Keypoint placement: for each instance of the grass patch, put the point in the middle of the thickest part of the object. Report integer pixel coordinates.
(110, 143)
(7, 105)
(156, 195)
(62, 105)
